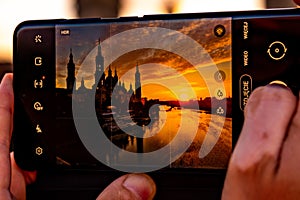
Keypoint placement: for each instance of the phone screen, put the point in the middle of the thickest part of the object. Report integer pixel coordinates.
(160, 87)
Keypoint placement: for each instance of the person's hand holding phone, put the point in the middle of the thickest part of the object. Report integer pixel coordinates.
(266, 161)
(13, 180)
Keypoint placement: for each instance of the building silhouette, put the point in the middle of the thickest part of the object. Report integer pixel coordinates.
(71, 80)
(138, 87)
(104, 87)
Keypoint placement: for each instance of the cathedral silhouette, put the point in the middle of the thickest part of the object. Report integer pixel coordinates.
(105, 86)
(110, 96)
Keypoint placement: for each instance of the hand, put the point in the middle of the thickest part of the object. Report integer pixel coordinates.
(13, 180)
(130, 186)
(266, 161)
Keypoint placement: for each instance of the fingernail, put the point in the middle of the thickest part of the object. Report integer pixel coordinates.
(6, 82)
(142, 185)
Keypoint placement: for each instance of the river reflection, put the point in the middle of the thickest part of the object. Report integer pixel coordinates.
(161, 131)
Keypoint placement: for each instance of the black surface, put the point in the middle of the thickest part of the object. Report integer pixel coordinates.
(72, 184)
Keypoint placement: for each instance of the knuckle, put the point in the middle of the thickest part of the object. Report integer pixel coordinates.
(256, 162)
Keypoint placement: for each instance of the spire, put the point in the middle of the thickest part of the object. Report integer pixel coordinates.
(71, 56)
(130, 89)
(82, 87)
(116, 78)
(99, 71)
(71, 80)
(99, 46)
(137, 67)
(82, 82)
(138, 89)
(109, 71)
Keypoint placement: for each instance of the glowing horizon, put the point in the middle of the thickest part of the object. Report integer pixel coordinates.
(157, 65)
(156, 91)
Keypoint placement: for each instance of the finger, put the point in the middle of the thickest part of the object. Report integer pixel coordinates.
(130, 186)
(290, 157)
(6, 113)
(254, 161)
(297, 2)
(19, 179)
(267, 117)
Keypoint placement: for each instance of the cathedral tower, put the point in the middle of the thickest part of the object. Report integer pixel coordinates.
(138, 88)
(71, 80)
(99, 67)
(116, 78)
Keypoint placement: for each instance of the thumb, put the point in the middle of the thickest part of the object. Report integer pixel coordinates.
(130, 186)
(297, 2)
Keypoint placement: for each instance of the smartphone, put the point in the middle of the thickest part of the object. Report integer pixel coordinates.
(159, 93)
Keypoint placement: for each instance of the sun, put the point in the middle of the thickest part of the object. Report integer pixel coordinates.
(183, 97)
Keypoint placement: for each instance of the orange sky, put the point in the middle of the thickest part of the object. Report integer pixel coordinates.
(165, 65)
(172, 87)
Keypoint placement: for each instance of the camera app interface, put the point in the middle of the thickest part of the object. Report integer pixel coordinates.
(144, 95)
